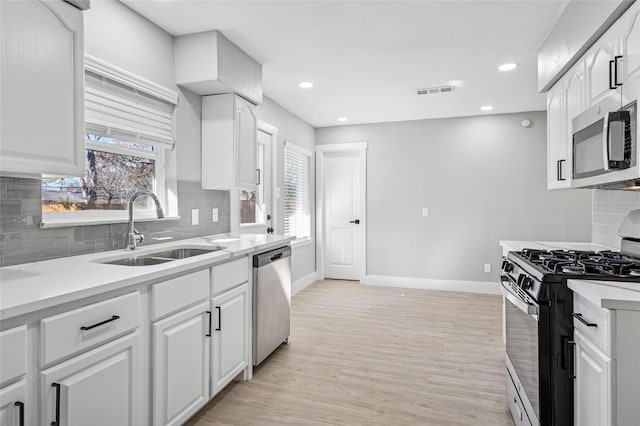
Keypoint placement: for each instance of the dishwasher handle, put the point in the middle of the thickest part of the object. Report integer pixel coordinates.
(263, 259)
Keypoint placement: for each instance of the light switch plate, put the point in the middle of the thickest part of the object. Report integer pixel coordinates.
(194, 217)
(425, 212)
(487, 268)
(214, 215)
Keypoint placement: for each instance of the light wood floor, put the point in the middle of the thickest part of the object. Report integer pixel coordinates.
(364, 355)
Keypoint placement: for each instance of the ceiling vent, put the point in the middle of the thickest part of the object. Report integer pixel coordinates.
(432, 90)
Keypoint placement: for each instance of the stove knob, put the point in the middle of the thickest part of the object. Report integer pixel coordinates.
(508, 267)
(521, 278)
(527, 283)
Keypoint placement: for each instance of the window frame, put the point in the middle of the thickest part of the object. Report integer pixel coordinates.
(161, 150)
(309, 155)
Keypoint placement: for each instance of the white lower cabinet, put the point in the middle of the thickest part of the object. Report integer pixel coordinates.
(230, 347)
(102, 387)
(13, 406)
(593, 384)
(181, 365)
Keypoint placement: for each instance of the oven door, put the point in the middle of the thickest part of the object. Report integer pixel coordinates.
(522, 343)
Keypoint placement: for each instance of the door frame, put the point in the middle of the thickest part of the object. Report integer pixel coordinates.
(361, 246)
(234, 207)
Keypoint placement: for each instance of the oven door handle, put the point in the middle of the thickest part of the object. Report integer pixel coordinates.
(527, 308)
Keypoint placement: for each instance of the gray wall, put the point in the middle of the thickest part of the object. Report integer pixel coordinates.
(609, 210)
(483, 180)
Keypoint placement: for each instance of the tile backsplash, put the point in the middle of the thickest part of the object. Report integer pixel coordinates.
(22, 240)
(609, 210)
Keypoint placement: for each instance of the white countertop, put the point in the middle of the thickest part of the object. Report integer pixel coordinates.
(33, 286)
(508, 246)
(609, 294)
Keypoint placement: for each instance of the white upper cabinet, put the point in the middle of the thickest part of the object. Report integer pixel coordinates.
(600, 76)
(229, 134)
(41, 81)
(557, 144)
(630, 38)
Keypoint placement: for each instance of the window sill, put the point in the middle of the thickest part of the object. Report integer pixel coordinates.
(301, 242)
(49, 222)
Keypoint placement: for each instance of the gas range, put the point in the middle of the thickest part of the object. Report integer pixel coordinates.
(533, 269)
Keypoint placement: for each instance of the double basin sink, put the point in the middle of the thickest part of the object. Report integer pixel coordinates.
(158, 257)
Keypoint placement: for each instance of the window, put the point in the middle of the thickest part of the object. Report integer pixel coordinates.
(129, 130)
(114, 169)
(297, 178)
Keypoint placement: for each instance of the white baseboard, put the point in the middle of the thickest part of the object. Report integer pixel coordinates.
(303, 283)
(433, 284)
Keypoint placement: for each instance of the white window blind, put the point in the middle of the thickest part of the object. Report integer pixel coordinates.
(119, 110)
(297, 208)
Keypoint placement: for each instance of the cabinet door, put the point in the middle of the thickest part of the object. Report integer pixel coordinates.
(631, 43)
(11, 411)
(557, 171)
(99, 387)
(592, 385)
(245, 144)
(230, 353)
(41, 81)
(181, 365)
(599, 79)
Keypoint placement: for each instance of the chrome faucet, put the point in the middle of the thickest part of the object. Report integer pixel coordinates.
(134, 237)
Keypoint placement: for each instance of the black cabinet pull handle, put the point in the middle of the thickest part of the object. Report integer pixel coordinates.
(615, 71)
(20, 406)
(560, 174)
(611, 70)
(219, 319)
(98, 324)
(357, 221)
(209, 333)
(56, 422)
(580, 318)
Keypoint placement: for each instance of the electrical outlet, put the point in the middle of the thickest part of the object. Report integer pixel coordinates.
(425, 212)
(214, 215)
(194, 217)
(487, 268)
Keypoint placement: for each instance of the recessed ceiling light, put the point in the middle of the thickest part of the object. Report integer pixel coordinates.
(486, 108)
(342, 119)
(508, 67)
(306, 84)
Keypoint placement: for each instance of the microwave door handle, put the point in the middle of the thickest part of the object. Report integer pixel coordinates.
(605, 142)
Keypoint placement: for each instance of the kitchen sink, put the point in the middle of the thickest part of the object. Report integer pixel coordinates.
(138, 261)
(183, 253)
(158, 257)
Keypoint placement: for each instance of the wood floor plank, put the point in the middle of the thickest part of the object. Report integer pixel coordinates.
(363, 355)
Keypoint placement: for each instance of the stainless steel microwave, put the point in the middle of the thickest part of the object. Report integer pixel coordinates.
(605, 145)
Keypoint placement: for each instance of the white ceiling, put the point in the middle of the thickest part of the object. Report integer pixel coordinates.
(367, 57)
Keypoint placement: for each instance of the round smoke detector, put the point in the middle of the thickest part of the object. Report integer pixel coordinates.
(526, 123)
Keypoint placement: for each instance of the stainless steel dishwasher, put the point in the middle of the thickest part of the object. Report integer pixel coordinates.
(271, 301)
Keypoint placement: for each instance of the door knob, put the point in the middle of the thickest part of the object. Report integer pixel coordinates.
(357, 221)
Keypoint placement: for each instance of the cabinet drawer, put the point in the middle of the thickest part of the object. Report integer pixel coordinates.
(230, 274)
(172, 295)
(74, 331)
(599, 333)
(13, 353)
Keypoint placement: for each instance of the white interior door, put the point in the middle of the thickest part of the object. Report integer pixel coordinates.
(343, 214)
(255, 207)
